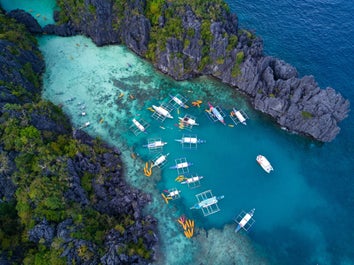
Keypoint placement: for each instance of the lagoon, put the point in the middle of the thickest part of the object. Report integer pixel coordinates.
(310, 189)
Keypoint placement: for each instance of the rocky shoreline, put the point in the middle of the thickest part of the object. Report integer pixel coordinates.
(209, 45)
(63, 196)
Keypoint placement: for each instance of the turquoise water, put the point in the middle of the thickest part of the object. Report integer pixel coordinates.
(303, 209)
(41, 10)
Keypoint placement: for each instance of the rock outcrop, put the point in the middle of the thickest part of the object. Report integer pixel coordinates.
(26, 19)
(62, 188)
(211, 44)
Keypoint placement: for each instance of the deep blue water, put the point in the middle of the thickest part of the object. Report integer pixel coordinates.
(316, 36)
(304, 209)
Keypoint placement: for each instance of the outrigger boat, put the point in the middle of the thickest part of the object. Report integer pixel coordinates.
(160, 160)
(139, 125)
(188, 121)
(178, 101)
(160, 110)
(246, 222)
(216, 113)
(239, 116)
(264, 163)
(191, 140)
(181, 165)
(156, 144)
(171, 194)
(207, 202)
(192, 180)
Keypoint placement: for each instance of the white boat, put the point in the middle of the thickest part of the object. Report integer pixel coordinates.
(174, 193)
(163, 112)
(192, 180)
(190, 140)
(207, 202)
(216, 113)
(239, 116)
(264, 163)
(188, 121)
(242, 224)
(181, 165)
(160, 160)
(138, 124)
(155, 144)
(178, 101)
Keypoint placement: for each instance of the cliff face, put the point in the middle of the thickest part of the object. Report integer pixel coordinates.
(185, 39)
(63, 198)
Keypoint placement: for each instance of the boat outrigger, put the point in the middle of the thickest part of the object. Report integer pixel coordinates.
(216, 113)
(181, 165)
(139, 126)
(190, 140)
(171, 194)
(163, 112)
(160, 161)
(188, 120)
(238, 116)
(244, 220)
(192, 180)
(179, 100)
(264, 163)
(207, 202)
(157, 144)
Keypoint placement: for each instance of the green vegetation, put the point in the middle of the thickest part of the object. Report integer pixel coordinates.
(239, 57)
(73, 10)
(172, 12)
(306, 114)
(233, 40)
(36, 160)
(16, 33)
(153, 10)
(42, 180)
(236, 70)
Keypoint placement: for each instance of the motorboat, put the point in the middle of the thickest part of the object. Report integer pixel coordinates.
(264, 163)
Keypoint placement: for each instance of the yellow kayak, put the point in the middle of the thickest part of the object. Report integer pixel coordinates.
(164, 197)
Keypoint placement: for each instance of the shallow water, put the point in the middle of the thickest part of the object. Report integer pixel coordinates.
(297, 206)
(41, 10)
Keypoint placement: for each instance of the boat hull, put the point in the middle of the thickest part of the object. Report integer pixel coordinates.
(264, 163)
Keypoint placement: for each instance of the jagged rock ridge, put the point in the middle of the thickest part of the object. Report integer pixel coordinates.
(232, 55)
